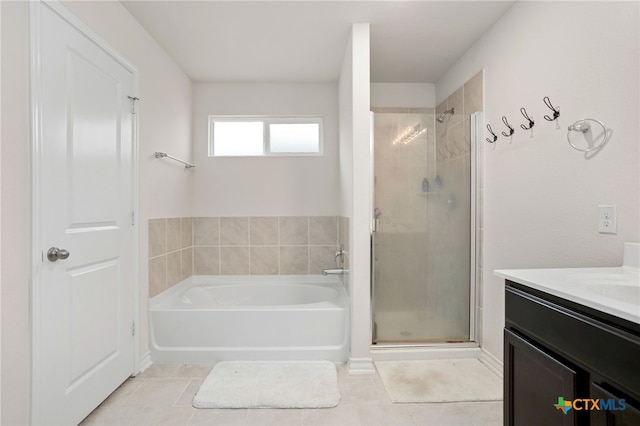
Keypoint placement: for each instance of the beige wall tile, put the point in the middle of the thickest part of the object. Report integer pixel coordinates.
(294, 260)
(206, 260)
(457, 144)
(323, 230)
(187, 263)
(473, 94)
(157, 275)
(234, 261)
(206, 231)
(442, 139)
(265, 257)
(263, 231)
(174, 268)
(187, 232)
(264, 260)
(294, 230)
(321, 258)
(456, 100)
(157, 237)
(174, 234)
(234, 231)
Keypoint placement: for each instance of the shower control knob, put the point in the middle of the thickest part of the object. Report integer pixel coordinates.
(54, 253)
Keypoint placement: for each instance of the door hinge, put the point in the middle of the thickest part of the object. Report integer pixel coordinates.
(133, 328)
(134, 103)
(133, 218)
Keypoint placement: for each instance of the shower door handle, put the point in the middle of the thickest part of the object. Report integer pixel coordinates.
(54, 253)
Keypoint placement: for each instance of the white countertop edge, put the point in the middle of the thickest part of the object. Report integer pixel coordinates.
(553, 282)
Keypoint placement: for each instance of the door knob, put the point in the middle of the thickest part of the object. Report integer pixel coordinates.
(55, 253)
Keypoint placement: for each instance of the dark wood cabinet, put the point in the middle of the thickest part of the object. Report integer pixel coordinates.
(629, 416)
(557, 349)
(532, 377)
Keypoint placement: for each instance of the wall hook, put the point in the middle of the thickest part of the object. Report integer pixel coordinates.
(556, 111)
(531, 122)
(495, 138)
(506, 123)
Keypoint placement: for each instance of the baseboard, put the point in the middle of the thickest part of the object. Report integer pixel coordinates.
(493, 363)
(143, 363)
(361, 366)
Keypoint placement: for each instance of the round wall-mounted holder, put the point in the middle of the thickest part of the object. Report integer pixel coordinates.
(583, 127)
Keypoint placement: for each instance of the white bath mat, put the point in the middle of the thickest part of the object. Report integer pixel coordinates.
(269, 384)
(440, 380)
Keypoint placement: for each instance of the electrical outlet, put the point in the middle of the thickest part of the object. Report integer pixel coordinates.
(607, 220)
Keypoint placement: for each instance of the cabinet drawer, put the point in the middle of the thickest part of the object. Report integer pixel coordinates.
(585, 341)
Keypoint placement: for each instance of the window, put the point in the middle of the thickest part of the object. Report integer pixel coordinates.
(264, 136)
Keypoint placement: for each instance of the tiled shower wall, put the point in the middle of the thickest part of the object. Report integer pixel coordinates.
(422, 247)
(400, 244)
(292, 245)
(448, 225)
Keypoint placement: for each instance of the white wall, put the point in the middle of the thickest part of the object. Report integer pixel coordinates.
(345, 101)
(403, 95)
(0, 213)
(355, 188)
(268, 186)
(15, 205)
(165, 125)
(540, 195)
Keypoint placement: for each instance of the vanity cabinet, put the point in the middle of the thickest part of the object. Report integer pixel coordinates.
(554, 348)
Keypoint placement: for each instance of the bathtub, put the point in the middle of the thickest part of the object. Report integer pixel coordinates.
(272, 317)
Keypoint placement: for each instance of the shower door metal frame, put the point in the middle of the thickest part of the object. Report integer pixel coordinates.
(475, 125)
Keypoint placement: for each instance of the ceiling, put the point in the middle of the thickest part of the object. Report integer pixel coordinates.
(304, 41)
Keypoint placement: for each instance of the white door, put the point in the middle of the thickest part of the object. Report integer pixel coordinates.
(82, 304)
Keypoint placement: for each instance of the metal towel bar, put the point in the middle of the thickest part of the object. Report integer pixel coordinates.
(164, 154)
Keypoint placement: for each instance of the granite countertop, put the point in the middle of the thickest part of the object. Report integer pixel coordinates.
(615, 291)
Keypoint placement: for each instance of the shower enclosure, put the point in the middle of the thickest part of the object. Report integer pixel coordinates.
(423, 240)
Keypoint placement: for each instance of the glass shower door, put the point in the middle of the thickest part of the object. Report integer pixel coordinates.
(421, 242)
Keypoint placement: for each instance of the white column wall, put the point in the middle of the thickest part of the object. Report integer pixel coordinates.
(355, 166)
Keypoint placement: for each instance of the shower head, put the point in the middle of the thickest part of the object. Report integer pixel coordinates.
(440, 119)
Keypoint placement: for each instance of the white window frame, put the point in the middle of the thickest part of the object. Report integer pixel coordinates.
(266, 143)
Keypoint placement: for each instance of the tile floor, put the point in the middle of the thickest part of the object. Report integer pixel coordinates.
(162, 396)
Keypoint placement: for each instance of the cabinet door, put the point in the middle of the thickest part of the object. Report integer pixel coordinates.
(533, 383)
(629, 416)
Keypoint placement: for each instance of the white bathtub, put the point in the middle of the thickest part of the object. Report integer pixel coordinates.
(213, 318)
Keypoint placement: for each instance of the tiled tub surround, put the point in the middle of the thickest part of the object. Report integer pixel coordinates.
(285, 245)
(170, 252)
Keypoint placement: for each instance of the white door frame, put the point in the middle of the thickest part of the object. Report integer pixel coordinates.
(36, 155)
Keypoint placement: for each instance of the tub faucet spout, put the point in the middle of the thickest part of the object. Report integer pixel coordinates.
(338, 271)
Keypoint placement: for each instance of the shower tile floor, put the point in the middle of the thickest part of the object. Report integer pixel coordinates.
(162, 396)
